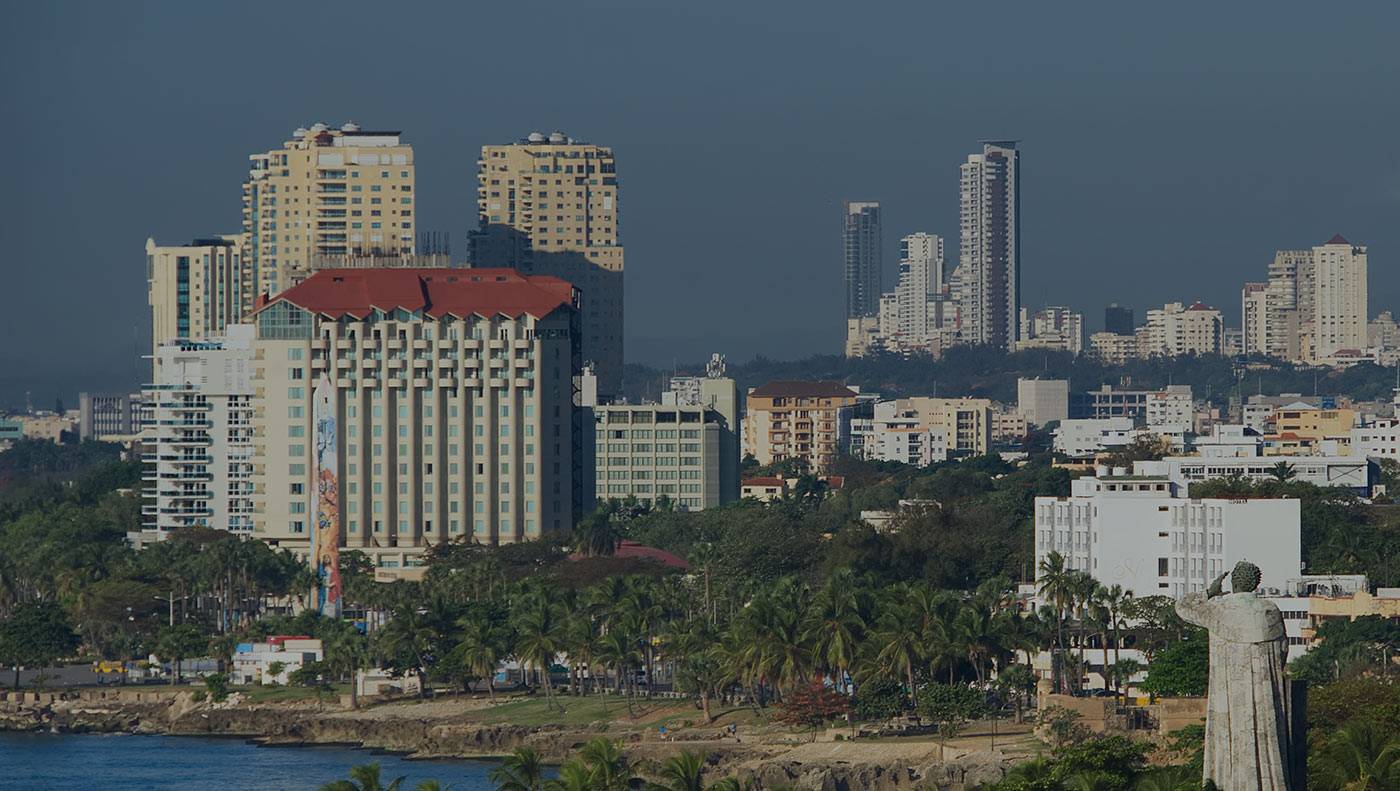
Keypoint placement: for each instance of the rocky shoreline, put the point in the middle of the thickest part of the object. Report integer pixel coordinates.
(443, 730)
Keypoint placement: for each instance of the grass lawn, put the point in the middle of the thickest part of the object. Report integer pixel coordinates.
(271, 694)
(585, 710)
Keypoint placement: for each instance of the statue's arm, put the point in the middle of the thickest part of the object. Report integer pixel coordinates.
(1194, 608)
(1215, 589)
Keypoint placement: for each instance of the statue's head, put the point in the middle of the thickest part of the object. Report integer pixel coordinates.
(1245, 577)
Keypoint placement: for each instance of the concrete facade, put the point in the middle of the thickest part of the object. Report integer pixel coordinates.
(549, 205)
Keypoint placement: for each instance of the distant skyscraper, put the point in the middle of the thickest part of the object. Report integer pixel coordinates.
(326, 194)
(862, 256)
(548, 205)
(1118, 320)
(920, 279)
(989, 256)
(1339, 307)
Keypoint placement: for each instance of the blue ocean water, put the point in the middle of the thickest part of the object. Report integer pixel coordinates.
(160, 763)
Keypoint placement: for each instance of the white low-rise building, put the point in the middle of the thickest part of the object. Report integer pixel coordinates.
(1353, 472)
(1142, 532)
(255, 663)
(1378, 439)
(1229, 441)
(1084, 438)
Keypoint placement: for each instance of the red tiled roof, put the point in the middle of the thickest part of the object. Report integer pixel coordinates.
(634, 551)
(763, 482)
(835, 481)
(435, 292)
(798, 388)
(1200, 306)
(1338, 239)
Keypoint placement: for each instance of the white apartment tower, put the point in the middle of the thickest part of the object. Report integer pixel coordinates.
(989, 253)
(453, 408)
(1339, 304)
(325, 196)
(920, 280)
(198, 431)
(1254, 319)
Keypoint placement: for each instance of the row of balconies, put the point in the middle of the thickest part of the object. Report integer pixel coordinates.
(442, 381)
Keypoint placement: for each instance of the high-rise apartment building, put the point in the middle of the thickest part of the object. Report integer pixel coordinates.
(324, 196)
(920, 280)
(548, 205)
(196, 290)
(1289, 316)
(1118, 320)
(198, 435)
(1254, 319)
(989, 254)
(1340, 297)
(790, 419)
(862, 258)
(449, 401)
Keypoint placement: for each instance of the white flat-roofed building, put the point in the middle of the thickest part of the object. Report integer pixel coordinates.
(198, 435)
(1352, 472)
(1043, 401)
(1229, 441)
(899, 435)
(1084, 438)
(1142, 532)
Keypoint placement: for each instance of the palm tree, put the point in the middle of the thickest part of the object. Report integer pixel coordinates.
(1123, 671)
(346, 652)
(681, 772)
(364, 777)
(1360, 755)
(898, 643)
(608, 769)
(1056, 585)
(1170, 778)
(573, 776)
(538, 640)
(1082, 588)
(689, 645)
(522, 770)
(1115, 600)
(835, 625)
(479, 652)
(1283, 472)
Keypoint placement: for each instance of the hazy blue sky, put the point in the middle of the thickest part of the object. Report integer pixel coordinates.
(1167, 151)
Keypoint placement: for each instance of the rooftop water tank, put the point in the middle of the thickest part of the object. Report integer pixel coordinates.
(557, 137)
(535, 137)
(350, 126)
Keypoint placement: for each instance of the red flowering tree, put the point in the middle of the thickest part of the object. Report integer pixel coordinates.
(812, 706)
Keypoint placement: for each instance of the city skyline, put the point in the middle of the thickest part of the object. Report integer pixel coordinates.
(1191, 218)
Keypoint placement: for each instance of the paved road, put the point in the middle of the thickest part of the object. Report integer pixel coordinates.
(69, 676)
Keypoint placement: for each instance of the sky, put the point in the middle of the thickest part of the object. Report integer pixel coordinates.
(1167, 151)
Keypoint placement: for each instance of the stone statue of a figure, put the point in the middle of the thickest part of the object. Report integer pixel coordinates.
(1248, 713)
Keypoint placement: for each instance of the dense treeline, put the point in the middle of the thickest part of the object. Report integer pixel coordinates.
(990, 373)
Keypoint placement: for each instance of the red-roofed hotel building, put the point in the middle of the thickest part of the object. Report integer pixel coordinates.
(453, 402)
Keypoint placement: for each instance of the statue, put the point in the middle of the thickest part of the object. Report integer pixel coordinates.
(1248, 714)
